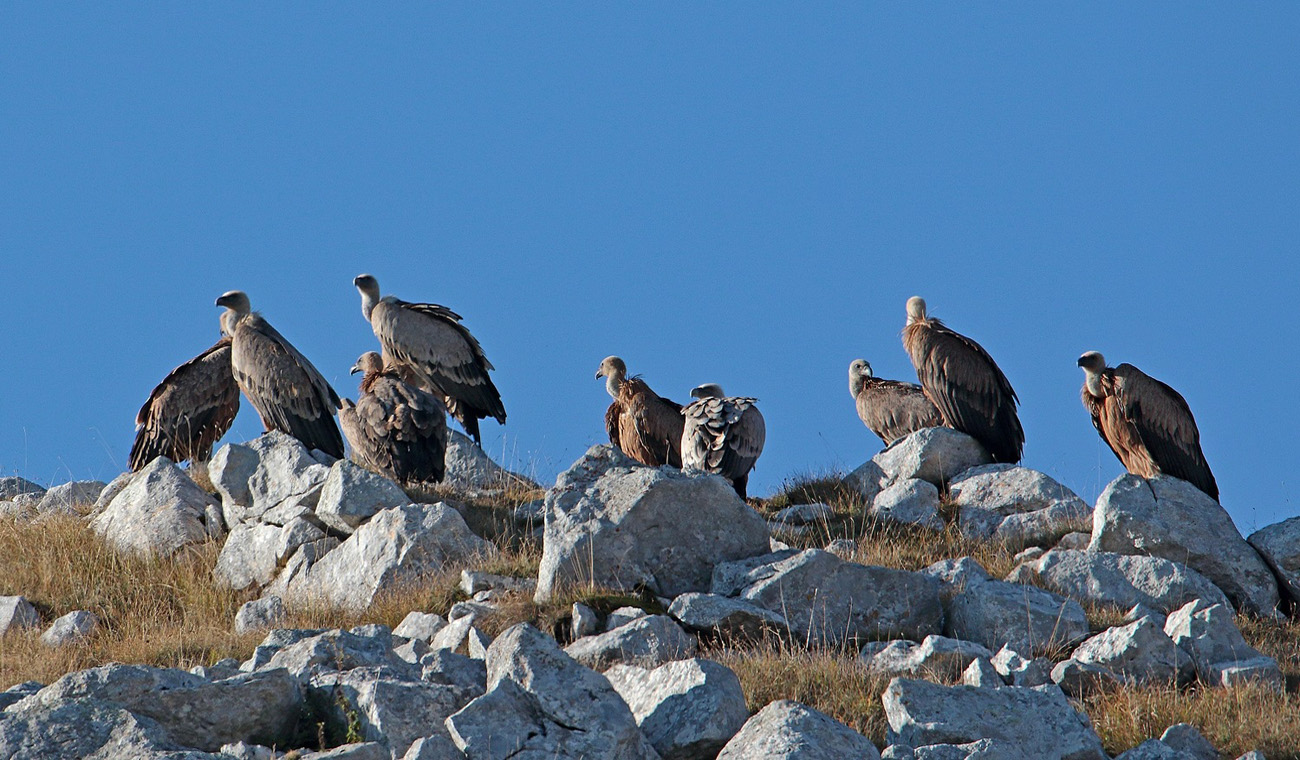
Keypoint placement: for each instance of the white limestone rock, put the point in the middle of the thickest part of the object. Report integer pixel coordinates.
(259, 614)
(1186, 739)
(352, 495)
(1221, 655)
(956, 575)
(1138, 653)
(1038, 721)
(249, 557)
(1279, 545)
(397, 546)
(1124, 580)
(933, 454)
(12, 485)
(71, 498)
(687, 709)
(938, 658)
(910, 501)
(470, 469)
(158, 513)
(274, 471)
(16, 614)
(788, 730)
(420, 625)
(72, 628)
(391, 711)
(1016, 505)
(1026, 618)
(612, 522)
(827, 600)
(730, 619)
(981, 674)
(1170, 518)
(648, 641)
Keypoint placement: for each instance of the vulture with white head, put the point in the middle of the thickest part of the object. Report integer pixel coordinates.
(1146, 423)
(891, 409)
(641, 423)
(289, 394)
(189, 411)
(394, 427)
(723, 435)
(430, 347)
(965, 385)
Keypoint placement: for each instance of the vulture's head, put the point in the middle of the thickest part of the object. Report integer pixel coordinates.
(708, 390)
(1092, 362)
(235, 300)
(370, 363)
(367, 284)
(915, 309)
(613, 367)
(860, 368)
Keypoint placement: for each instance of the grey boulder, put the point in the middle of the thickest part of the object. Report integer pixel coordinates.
(70, 498)
(1123, 580)
(396, 547)
(352, 495)
(788, 730)
(648, 641)
(74, 729)
(1027, 619)
(731, 619)
(1138, 653)
(687, 709)
(159, 512)
(615, 523)
(1221, 655)
(1016, 505)
(934, 454)
(1279, 545)
(267, 612)
(470, 469)
(938, 657)
(274, 471)
(911, 501)
(1170, 518)
(384, 709)
(826, 600)
(72, 628)
(1038, 721)
(16, 614)
(12, 485)
(249, 556)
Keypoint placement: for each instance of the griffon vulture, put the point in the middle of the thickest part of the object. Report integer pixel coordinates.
(189, 410)
(890, 408)
(1145, 422)
(285, 389)
(964, 383)
(642, 424)
(394, 427)
(430, 347)
(723, 435)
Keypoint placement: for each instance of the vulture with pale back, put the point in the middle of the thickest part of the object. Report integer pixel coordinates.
(965, 385)
(429, 346)
(891, 409)
(641, 423)
(723, 435)
(289, 394)
(189, 410)
(394, 427)
(1146, 423)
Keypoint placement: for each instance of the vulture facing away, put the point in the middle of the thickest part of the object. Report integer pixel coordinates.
(189, 411)
(964, 383)
(643, 425)
(1145, 422)
(891, 409)
(723, 435)
(290, 395)
(430, 347)
(394, 427)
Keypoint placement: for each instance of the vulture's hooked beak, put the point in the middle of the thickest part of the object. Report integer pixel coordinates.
(355, 369)
(1080, 362)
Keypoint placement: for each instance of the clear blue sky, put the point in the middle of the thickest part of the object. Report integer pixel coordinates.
(736, 193)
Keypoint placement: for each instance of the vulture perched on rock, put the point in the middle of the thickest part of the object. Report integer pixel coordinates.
(395, 428)
(1145, 422)
(964, 383)
(289, 394)
(190, 409)
(891, 409)
(642, 424)
(723, 435)
(430, 347)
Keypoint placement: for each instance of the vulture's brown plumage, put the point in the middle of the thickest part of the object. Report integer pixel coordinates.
(644, 425)
(1146, 423)
(430, 347)
(964, 383)
(395, 428)
(289, 394)
(891, 409)
(188, 411)
(723, 435)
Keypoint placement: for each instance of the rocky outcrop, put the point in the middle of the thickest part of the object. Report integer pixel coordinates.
(648, 641)
(1027, 619)
(1138, 653)
(1279, 545)
(1039, 722)
(911, 501)
(1170, 518)
(933, 454)
(788, 730)
(1016, 505)
(687, 709)
(1221, 655)
(826, 600)
(16, 614)
(614, 523)
(937, 658)
(731, 619)
(1123, 580)
(159, 512)
(273, 473)
(70, 498)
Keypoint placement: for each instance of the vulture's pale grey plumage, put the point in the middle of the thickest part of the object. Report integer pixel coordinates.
(723, 435)
(430, 347)
(644, 425)
(394, 427)
(189, 410)
(891, 409)
(964, 383)
(289, 394)
(1146, 423)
